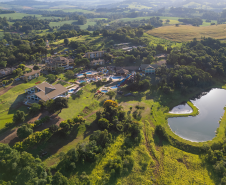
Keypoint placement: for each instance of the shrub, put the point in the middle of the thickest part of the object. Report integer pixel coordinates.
(36, 67)
(33, 139)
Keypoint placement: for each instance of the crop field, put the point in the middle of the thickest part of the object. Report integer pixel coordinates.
(188, 32)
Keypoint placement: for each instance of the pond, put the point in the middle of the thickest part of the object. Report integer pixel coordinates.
(203, 126)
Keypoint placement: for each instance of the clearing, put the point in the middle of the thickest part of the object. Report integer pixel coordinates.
(188, 32)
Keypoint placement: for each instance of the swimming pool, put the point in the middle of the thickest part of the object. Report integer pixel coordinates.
(89, 73)
(114, 87)
(104, 91)
(82, 81)
(71, 90)
(116, 77)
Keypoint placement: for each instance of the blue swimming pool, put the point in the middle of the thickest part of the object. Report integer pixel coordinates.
(89, 73)
(79, 74)
(71, 90)
(116, 77)
(104, 91)
(114, 87)
(82, 81)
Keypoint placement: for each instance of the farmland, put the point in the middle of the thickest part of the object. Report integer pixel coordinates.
(188, 32)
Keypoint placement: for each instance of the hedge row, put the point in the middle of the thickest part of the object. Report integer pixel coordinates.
(43, 120)
(33, 139)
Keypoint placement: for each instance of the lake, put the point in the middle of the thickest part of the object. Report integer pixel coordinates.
(203, 126)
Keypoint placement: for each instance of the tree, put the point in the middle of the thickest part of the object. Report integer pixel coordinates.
(3, 63)
(69, 74)
(36, 67)
(51, 78)
(111, 94)
(60, 103)
(65, 126)
(79, 119)
(18, 72)
(66, 41)
(104, 123)
(53, 128)
(24, 131)
(19, 116)
(59, 70)
(21, 66)
(109, 103)
(59, 179)
(35, 108)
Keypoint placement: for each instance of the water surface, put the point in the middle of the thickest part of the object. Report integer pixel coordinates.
(203, 126)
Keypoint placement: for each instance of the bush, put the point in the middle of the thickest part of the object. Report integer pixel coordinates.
(36, 67)
(41, 121)
(33, 139)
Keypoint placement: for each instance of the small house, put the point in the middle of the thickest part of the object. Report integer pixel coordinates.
(31, 75)
(147, 69)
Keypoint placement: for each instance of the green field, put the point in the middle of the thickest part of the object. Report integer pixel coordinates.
(90, 22)
(12, 101)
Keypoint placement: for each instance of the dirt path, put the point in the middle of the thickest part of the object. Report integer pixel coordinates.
(10, 136)
(3, 91)
(158, 166)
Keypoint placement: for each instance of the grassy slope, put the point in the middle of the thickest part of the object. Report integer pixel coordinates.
(188, 32)
(78, 104)
(166, 164)
(11, 101)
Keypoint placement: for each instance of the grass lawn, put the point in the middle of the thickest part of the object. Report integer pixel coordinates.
(188, 32)
(77, 104)
(61, 83)
(12, 101)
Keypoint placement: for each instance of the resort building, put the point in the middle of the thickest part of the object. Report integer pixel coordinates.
(97, 62)
(6, 71)
(122, 72)
(31, 75)
(44, 91)
(147, 69)
(52, 63)
(95, 54)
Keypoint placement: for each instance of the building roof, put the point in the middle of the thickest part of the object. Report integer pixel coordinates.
(50, 92)
(99, 60)
(122, 71)
(32, 73)
(95, 52)
(130, 68)
(144, 66)
(43, 85)
(60, 59)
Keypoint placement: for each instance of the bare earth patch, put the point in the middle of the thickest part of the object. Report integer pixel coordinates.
(10, 136)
